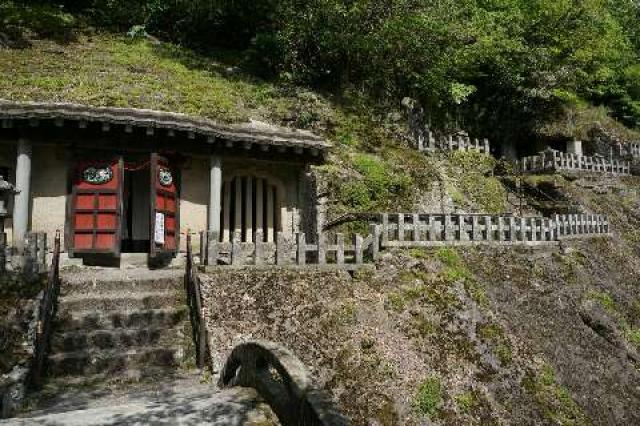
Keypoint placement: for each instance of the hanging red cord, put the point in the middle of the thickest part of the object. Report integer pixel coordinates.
(132, 167)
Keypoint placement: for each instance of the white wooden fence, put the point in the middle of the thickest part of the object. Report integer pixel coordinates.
(551, 161)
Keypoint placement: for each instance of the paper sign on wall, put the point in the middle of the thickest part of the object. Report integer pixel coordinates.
(158, 238)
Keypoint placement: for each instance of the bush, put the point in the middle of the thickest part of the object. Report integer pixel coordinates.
(428, 397)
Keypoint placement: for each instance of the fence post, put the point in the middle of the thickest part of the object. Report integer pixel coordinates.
(488, 226)
(416, 227)
(260, 256)
(447, 228)
(301, 256)
(203, 248)
(500, 228)
(487, 149)
(375, 245)
(340, 249)
(431, 228)
(512, 229)
(523, 229)
(400, 226)
(357, 243)
(385, 229)
(281, 249)
(476, 234)
(322, 249)
(213, 247)
(236, 248)
(3, 251)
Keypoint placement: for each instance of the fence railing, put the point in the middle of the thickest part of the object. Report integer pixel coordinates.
(295, 250)
(552, 160)
(451, 143)
(402, 230)
(194, 301)
(4, 252)
(432, 230)
(423, 230)
(46, 314)
(570, 225)
(631, 149)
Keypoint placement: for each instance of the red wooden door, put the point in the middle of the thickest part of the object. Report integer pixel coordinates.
(165, 220)
(96, 207)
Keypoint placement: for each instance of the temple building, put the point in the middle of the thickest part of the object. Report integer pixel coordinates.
(132, 181)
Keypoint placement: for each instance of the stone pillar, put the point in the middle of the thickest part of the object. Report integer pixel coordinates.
(226, 234)
(248, 212)
(259, 209)
(237, 222)
(574, 147)
(215, 194)
(270, 213)
(21, 201)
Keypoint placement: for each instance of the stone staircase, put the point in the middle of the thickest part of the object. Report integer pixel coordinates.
(116, 331)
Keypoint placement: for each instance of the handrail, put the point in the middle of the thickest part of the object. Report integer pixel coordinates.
(194, 300)
(283, 381)
(46, 314)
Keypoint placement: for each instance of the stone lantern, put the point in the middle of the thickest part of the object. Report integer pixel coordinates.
(6, 192)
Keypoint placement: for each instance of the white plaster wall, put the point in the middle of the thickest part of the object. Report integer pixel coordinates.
(48, 191)
(194, 199)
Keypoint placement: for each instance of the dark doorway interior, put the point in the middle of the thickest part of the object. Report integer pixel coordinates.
(136, 212)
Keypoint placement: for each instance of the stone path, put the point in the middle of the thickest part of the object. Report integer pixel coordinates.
(181, 406)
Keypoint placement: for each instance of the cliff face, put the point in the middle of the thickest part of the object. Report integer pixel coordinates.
(468, 336)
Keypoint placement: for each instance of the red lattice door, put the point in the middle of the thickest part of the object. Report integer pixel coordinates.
(164, 208)
(96, 208)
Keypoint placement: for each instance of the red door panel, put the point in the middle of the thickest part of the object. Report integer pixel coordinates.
(164, 207)
(96, 207)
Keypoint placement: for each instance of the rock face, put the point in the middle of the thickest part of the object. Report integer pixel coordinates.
(468, 336)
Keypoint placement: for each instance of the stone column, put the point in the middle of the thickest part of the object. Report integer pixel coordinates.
(259, 209)
(215, 194)
(237, 232)
(574, 147)
(226, 233)
(248, 212)
(21, 201)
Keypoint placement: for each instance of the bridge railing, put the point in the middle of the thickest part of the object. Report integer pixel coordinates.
(283, 382)
(194, 301)
(46, 313)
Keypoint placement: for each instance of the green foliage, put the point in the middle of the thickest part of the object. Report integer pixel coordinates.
(603, 298)
(376, 188)
(467, 402)
(554, 400)
(429, 397)
(472, 177)
(500, 67)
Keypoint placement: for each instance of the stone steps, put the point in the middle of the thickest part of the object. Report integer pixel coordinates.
(133, 319)
(113, 301)
(121, 285)
(117, 329)
(93, 362)
(72, 341)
